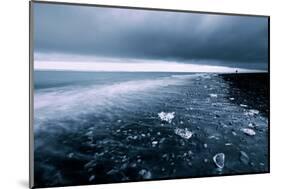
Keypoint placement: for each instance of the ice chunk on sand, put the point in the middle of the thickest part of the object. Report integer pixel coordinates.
(154, 143)
(219, 160)
(169, 116)
(145, 174)
(244, 105)
(184, 133)
(249, 132)
(213, 95)
(70, 155)
(244, 157)
(92, 178)
(90, 133)
(251, 125)
(213, 137)
(252, 112)
(231, 99)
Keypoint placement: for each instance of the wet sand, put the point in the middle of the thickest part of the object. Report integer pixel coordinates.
(251, 89)
(174, 132)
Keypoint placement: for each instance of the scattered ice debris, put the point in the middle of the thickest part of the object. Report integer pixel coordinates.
(205, 145)
(205, 86)
(181, 122)
(214, 137)
(89, 133)
(252, 112)
(70, 155)
(213, 95)
(119, 121)
(167, 116)
(244, 158)
(244, 105)
(249, 132)
(162, 140)
(184, 133)
(228, 144)
(143, 135)
(165, 156)
(206, 160)
(234, 133)
(92, 178)
(90, 164)
(132, 137)
(133, 165)
(158, 133)
(219, 160)
(231, 99)
(154, 143)
(251, 125)
(145, 174)
(112, 171)
(224, 125)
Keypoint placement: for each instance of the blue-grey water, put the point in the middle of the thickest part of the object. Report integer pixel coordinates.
(102, 127)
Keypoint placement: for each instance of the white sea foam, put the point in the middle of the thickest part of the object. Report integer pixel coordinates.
(188, 76)
(71, 102)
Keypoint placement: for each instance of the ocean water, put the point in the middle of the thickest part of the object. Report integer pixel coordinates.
(102, 127)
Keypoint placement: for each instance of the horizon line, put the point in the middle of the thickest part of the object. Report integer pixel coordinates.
(104, 66)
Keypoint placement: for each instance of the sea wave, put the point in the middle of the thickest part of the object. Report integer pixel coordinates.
(70, 102)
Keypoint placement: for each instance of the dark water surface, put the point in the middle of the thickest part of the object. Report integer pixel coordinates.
(114, 127)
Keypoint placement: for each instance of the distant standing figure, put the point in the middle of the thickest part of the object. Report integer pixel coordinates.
(236, 71)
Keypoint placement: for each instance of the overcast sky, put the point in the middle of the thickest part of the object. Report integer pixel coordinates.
(65, 31)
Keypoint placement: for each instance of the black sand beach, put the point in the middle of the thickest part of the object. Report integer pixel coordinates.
(175, 131)
(253, 89)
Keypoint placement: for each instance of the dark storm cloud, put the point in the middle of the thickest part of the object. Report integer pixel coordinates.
(150, 34)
